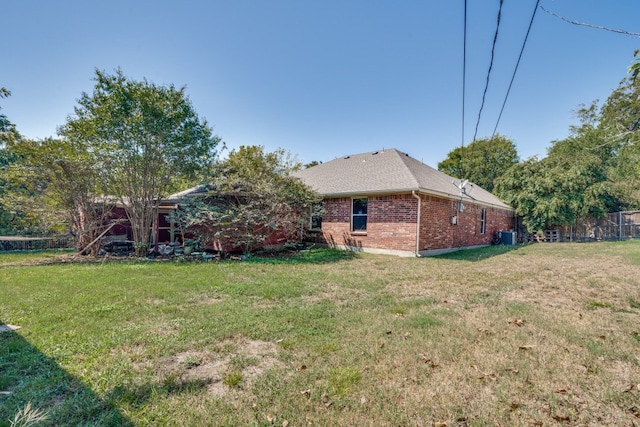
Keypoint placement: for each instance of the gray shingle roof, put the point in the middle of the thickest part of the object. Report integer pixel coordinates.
(385, 172)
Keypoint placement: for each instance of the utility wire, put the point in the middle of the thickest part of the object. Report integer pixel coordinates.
(599, 27)
(493, 48)
(516, 68)
(464, 79)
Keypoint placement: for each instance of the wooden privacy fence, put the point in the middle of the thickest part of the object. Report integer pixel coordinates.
(21, 243)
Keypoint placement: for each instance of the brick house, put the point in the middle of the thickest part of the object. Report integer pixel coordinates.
(388, 202)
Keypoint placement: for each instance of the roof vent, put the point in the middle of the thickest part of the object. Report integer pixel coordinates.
(347, 157)
(374, 153)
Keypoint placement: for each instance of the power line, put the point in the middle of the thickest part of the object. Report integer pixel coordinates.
(516, 68)
(493, 48)
(599, 27)
(464, 76)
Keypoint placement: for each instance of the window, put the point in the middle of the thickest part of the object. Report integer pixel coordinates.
(316, 216)
(483, 220)
(359, 215)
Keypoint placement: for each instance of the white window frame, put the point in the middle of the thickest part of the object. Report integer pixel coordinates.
(483, 221)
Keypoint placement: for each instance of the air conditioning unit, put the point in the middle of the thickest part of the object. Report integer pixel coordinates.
(508, 237)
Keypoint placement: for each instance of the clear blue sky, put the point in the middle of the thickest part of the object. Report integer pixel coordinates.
(324, 78)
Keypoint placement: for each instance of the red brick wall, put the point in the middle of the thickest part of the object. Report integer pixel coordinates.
(437, 231)
(391, 223)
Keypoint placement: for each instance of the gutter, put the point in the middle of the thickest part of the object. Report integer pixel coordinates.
(413, 193)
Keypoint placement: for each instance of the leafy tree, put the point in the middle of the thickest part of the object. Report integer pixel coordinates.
(23, 212)
(568, 185)
(634, 68)
(252, 197)
(146, 140)
(8, 132)
(482, 161)
(594, 171)
(619, 120)
(12, 218)
(62, 182)
(619, 117)
(518, 187)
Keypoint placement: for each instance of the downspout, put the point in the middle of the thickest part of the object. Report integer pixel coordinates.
(413, 193)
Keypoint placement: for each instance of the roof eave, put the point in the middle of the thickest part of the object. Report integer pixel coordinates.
(368, 192)
(427, 191)
(464, 198)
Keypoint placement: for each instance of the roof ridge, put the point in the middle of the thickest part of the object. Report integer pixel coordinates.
(403, 158)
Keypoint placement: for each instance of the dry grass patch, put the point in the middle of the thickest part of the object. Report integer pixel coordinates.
(513, 340)
(234, 365)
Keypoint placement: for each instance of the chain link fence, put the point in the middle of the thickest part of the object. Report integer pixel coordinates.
(623, 225)
(26, 243)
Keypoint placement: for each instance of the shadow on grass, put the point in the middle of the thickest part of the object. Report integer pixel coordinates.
(27, 375)
(311, 256)
(139, 395)
(477, 254)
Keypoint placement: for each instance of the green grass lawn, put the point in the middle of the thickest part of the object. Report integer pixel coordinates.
(546, 334)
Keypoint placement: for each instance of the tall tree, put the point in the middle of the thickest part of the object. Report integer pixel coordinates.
(570, 184)
(482, 161)
(145, 138)
(619, 120)
(594, 171)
